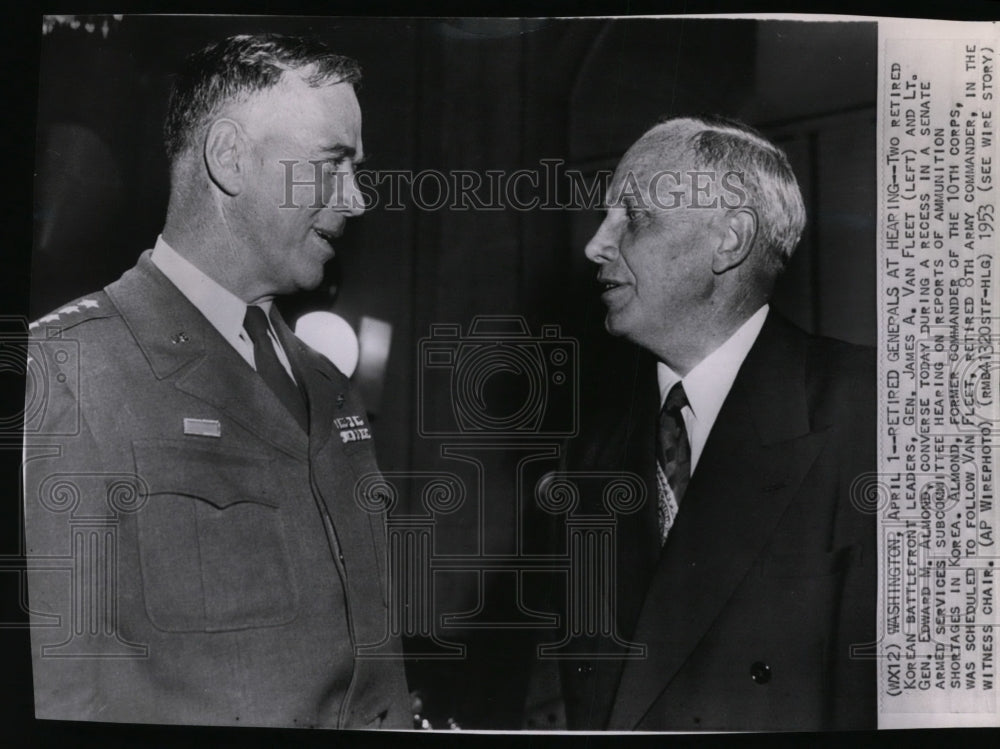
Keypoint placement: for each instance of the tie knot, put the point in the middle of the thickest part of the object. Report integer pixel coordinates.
(255, 322)
(676, 399)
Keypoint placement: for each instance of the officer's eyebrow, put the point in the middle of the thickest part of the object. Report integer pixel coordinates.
(341, 151)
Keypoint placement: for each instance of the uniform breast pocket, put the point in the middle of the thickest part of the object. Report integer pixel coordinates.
(212, 545)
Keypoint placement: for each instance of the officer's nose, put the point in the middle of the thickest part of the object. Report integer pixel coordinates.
(348, 197)
(603, 246)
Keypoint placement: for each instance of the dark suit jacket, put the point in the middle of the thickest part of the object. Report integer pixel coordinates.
(749, 613)
(219, 571)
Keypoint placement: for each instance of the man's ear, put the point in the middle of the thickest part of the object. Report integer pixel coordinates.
(739, 232)
(226, 155)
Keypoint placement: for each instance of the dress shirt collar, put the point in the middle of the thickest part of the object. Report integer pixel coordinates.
(708, 384)
(223, 309)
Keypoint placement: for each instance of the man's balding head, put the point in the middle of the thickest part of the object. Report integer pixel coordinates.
(721, 146)
(702, 215)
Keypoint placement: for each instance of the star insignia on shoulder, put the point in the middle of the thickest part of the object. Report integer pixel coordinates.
(83, 304)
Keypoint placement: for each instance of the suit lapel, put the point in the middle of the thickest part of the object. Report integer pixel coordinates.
(638, 544)
(180, 343)
(757, 454)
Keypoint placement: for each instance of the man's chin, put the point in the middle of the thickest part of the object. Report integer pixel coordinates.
(615, 325)
(311, 285)
(310, 279)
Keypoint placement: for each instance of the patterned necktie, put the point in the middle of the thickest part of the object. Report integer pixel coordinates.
(673, 458)
(270, 368)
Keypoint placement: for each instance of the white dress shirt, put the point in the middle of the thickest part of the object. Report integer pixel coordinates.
(708, 384)
(223, 309)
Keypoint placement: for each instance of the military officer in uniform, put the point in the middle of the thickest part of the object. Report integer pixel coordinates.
(200, 546)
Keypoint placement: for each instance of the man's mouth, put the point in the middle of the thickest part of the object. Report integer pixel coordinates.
(612, 292)
(327, 235)
(607, 285)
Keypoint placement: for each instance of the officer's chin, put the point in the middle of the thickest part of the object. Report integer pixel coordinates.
(310, 279)
(310, 284)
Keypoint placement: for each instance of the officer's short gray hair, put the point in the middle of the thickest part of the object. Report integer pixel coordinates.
(238, 66)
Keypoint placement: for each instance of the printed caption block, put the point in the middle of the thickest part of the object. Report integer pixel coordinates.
(939, 369)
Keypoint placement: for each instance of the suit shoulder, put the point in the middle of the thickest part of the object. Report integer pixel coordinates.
(841, 358)
(841, 375)
(74, 316)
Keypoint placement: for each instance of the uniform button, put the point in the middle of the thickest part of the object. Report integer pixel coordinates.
(340, 557)
(760, 672)
(585, 668)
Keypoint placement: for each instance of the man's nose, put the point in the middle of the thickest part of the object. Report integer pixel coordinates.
(603, 246)
(348, 197)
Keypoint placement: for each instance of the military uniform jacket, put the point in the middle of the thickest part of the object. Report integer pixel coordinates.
(758, 613)
(194, 555)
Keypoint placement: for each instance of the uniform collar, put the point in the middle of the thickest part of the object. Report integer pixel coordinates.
(223, 309)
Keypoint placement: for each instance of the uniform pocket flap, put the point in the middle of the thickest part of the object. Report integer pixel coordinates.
(221, 477)
(212, 546)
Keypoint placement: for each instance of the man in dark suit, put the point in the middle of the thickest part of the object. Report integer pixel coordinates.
(746, 583)
(198, 545)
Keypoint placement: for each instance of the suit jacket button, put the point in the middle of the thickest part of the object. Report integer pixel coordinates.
(585, 668)
(760, 672)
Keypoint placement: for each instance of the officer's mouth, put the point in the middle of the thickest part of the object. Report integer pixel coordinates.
(327, 236)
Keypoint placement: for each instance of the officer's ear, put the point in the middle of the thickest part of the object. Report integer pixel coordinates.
(226, 155)
(739, 230)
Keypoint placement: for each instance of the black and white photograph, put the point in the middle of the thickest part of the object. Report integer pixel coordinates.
(505, 374)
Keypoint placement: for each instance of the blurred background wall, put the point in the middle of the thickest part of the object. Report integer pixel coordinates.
(476, 94)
